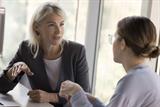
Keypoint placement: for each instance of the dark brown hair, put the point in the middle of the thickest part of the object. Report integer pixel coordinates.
(140, 35)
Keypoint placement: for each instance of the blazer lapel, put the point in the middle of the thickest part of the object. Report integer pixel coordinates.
(63, 73)
(41, 73)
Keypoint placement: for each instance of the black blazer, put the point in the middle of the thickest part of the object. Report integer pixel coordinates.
(74, 68)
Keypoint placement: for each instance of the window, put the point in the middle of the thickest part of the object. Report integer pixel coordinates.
(155, 15)
(2, 17)
(108, 72)
(18, 15)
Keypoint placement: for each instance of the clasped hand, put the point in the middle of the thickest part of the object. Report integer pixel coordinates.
(16, 69)
(69, 88)
(42, 96)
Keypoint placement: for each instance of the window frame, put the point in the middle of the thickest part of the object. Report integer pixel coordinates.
(93, 35)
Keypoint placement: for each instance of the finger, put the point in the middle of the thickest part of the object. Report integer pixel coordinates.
(62, 89)
(32, 92)
(19, 63)
(14, 73)
(12, 76)
(26, 69)
(14, 70)
(35, 98)
(28, 72)
(34, 95)
(11, 69)
(63, 92)
(64, 84)
(66, 87)
(18, 70)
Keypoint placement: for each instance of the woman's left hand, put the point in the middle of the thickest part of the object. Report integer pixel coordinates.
(42, 96)
(69, 88)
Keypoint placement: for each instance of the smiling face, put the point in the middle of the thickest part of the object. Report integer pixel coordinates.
(51, 30)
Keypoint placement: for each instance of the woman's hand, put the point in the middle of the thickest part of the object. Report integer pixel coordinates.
(69, 88)
(16, 69)
(43, 96)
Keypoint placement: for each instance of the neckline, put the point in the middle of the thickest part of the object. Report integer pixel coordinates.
(50, 60)
(139, 66)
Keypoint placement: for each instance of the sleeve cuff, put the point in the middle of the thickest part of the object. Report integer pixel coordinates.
(61, 100)
(6, 84)
(80, 99)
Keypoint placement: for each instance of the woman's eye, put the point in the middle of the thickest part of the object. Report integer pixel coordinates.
(61, 24)
(51, 25)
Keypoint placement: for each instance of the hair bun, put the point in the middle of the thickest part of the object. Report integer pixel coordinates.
(155, 52)
(150, 51)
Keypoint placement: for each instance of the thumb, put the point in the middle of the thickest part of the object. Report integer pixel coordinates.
(27, 70)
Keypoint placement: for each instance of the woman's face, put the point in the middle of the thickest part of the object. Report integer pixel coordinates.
(51, 30)
(117, 48)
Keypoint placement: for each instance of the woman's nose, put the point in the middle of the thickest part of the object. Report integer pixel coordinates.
(58, 30)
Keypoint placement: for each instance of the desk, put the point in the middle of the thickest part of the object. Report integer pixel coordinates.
(18, 98)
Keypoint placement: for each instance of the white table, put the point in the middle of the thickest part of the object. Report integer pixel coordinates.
(18, 98)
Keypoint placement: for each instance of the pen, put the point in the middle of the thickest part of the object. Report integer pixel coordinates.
(1, 103)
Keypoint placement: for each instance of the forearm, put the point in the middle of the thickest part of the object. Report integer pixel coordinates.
(5, 84)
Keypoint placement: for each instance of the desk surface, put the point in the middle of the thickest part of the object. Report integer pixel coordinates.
(18, 97)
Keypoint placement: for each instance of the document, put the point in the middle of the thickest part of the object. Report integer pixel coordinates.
(7, 100)
(18, 98)
(19, 93)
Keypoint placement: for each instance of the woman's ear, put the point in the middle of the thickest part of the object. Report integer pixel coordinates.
(36, 28)
(122, 44)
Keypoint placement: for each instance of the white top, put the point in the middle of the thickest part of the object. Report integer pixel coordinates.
(139, 88)
(53, 68)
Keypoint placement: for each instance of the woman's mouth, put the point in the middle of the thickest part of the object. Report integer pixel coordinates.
(56, 37)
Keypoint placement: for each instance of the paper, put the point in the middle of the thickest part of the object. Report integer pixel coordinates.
(7, 100)
(17, 97)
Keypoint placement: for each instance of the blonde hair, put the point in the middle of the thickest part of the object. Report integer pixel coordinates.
(39, 15)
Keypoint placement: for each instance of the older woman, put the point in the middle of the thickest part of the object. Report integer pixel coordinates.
(47, 58)
(135, 41)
